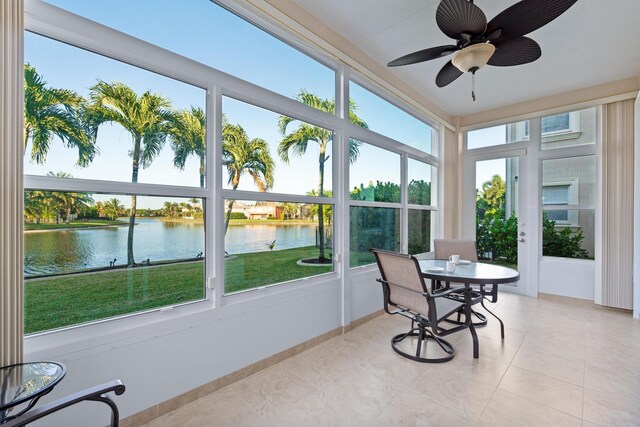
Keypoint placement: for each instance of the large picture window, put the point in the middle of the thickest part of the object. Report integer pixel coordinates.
(147, 169)
(273, 241)
(93, 124)
(76, 250)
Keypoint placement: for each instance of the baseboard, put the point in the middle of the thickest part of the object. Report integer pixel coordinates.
(174, 403)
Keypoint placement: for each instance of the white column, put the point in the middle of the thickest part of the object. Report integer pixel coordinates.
(11, 192)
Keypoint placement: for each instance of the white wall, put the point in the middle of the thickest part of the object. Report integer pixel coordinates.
(158, 360)
(568, 277)
(366, 293)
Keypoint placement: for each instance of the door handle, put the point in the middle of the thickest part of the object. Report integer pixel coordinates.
(522, 233)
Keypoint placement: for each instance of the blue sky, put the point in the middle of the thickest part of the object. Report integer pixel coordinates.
(204, 31)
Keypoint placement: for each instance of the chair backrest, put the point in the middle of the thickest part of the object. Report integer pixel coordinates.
(402, 280)
(444, 248)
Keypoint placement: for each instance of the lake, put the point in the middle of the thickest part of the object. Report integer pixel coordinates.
(58, 251)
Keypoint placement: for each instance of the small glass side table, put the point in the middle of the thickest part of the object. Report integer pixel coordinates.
(26, 382)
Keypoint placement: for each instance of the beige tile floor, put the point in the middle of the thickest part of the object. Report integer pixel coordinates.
(563, 363)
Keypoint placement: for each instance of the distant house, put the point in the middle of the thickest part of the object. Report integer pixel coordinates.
(266, 210)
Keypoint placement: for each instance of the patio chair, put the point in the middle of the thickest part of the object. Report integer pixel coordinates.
(444, 248)
(405, 293)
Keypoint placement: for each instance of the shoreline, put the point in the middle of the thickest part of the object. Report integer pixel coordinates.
(88, 227)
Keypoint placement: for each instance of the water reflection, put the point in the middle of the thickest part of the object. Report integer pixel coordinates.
(154, 239)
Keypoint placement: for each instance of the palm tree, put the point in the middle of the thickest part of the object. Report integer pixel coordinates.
(187, 133)
(101, 209)
(113, 208)
(49, 113)
(171, 210)
(68, 201)
(145, 117)
(242, 155)
(298, 140)
(37, 204)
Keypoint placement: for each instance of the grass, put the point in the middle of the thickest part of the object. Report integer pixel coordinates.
(56, 302)
(72, 299)
(246, 271)
(73, 224)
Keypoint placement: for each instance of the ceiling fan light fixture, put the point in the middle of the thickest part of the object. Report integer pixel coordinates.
(473, 57)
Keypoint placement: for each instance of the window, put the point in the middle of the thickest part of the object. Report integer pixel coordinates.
(556, 195)
(556, 123)
(385, 118)
(208, 33)
(569, 129)
(421, 191)
(421, 187)
(374, 221)
(498, 135)
(568, 203)
(274, 241)
(268, 243)
(372, 227)
(270, 163)
(76, 256)
(420, 231)
(374, 174)
(85, 75)
(92, 252)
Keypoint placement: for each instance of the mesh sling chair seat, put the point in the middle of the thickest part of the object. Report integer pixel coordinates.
(444, 248)
(405, 293)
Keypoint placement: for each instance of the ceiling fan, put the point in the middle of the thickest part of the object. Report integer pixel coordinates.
(499, 42)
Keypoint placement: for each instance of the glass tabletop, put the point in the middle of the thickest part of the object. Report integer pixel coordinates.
(22, 382)
(470, 272)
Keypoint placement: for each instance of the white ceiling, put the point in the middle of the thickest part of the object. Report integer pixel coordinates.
(594, 42)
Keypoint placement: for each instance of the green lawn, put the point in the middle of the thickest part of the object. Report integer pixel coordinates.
(73, 224)
(56, 302)
(78, 298)
(246, 271)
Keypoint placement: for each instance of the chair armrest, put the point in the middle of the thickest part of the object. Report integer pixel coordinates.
(95, 393)
(445, 293)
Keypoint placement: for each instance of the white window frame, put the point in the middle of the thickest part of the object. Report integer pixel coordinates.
(66, 27)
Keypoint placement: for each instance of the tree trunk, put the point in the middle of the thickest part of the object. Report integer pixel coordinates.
(132, 217)
(228, 216)
(68, 219)
(202, 172)
(235, 183)
(321, 159)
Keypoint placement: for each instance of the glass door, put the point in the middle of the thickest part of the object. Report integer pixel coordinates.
(495, 213)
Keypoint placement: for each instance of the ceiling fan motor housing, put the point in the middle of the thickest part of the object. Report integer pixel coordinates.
(474, 57)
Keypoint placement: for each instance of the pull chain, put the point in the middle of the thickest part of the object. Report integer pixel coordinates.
(473, 86)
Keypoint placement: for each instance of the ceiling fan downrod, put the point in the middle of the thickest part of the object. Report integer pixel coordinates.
(473, 82)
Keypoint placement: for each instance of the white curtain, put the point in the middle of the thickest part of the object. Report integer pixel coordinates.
(11, 194)
(617, 204)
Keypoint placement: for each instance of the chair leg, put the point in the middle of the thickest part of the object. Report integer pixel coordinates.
(499, 320)
(423, 336)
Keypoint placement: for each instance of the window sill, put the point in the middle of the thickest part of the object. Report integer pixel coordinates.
(560, 136)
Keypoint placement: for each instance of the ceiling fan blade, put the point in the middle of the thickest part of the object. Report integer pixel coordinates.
(447, 74)
(526, 16)
(455, 17)
(423, 55)
(515, 52)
